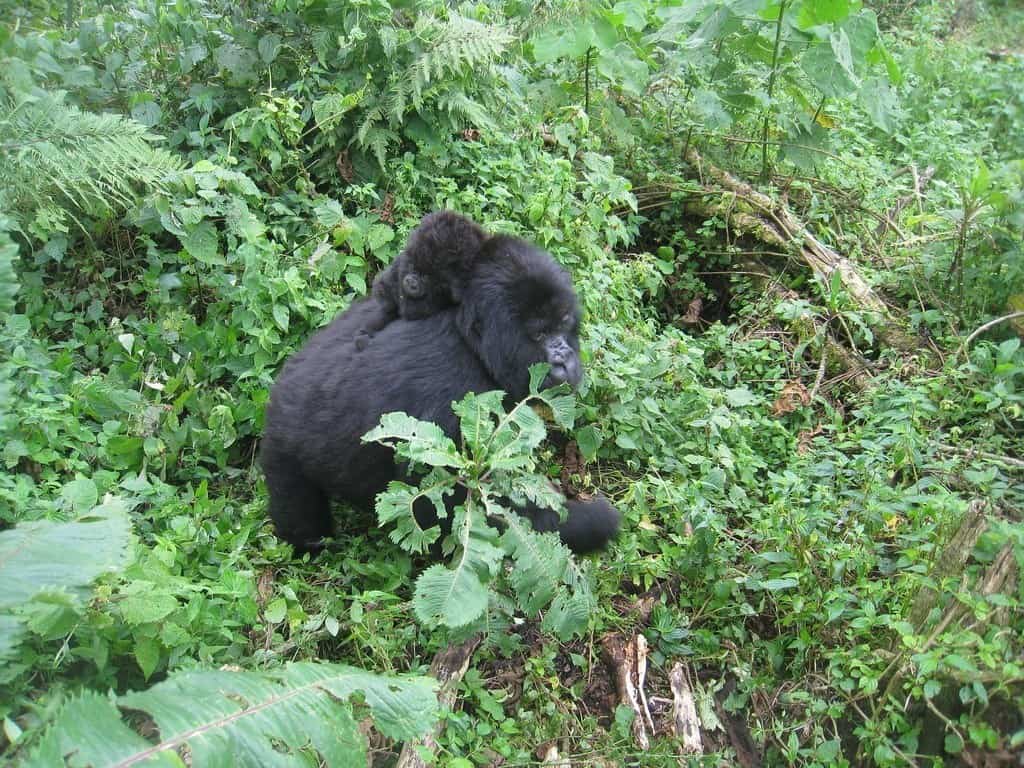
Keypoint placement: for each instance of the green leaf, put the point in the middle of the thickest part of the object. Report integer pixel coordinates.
(539, 562)
(814, 12)
(356, 281)
(777, 585)
(881, 103)
(8, 277)
(953, 743)
(90, 727)
(243, 719)
(830, 66)
(281, 316)
(268, 47)
(622, 67)
(275, 611)
(124, 452)
(479, 415)
(145, 603)
(332, 107)
(148, 113)
(201, 242)
(632, 13)
(450, 597)
(458, 596)
(562, 41)
(568, 615)
(416, 440)
(396, 505)
(80, 494)
(147, 654)
(91, 545)
(740, 397)
(589, 440)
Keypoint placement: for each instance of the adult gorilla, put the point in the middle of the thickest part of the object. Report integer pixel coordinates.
(519, 308)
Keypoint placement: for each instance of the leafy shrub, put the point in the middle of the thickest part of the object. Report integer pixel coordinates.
(496, 467)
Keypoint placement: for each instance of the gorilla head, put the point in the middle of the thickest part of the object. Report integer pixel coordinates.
(517, 308)
(429, 274)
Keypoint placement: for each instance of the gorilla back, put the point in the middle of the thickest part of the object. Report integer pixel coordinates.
(518, 309)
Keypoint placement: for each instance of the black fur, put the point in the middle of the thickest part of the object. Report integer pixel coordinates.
(429, 275)
(518, 308)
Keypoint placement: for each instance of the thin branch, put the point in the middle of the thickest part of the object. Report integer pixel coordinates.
(991, 324)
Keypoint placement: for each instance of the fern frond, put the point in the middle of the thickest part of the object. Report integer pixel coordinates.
(372, 116)
(461, 107)
(92, 163)
(245, 719)
(454, 49)
(378, 140)
(460, 45)
(8, 276)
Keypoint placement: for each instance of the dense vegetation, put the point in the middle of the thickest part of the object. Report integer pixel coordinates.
(797, 229)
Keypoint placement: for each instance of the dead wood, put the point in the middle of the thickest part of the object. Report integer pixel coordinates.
(951, 560)
(748, 755)
(685, 722)
(449, 667)
(770, 221)
(627, 661)
(838, 359)
(1000, 576)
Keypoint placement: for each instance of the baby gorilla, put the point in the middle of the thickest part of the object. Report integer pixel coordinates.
(429, 274)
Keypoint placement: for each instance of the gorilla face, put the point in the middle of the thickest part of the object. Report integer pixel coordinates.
(421, 295)
(520, 309)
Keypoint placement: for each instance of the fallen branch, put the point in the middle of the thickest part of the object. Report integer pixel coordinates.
(970, 453)
(773, 223)
(920, 182)
(990, 324)
(951, 560)
(838, 358)
(685, 722)
(449, 666)
(628, 663)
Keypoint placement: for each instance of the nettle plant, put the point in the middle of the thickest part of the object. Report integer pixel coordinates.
(496, 470)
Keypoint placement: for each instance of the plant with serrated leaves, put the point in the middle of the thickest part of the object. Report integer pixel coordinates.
(495, 470)
(42, 591)
(714, 63)
(444, 58)
(59, 162)
(240, 718)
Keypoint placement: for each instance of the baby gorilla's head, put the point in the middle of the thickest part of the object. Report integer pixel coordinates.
(422, 294)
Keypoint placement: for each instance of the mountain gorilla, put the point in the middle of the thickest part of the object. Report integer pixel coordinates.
(518, 308)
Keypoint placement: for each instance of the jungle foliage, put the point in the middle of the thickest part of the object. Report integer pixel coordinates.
(824, 526)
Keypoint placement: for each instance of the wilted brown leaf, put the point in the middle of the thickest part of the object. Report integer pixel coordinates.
(792, 396)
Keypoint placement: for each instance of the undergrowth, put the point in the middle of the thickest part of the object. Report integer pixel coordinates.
(191, 189)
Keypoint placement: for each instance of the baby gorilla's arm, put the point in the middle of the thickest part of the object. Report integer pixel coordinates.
(383, 307)
(380, 315)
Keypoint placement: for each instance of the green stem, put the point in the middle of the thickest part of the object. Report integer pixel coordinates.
(771, 90)
(586, 82)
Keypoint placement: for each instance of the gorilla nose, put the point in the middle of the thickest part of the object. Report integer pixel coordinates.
(568, 372)
(565, 364)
